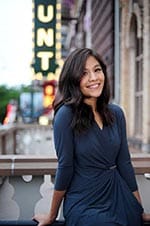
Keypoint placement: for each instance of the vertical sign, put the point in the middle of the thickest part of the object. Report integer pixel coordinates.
(44, 37)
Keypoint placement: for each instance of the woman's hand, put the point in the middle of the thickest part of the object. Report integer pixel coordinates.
(43, 219)
(146, 216)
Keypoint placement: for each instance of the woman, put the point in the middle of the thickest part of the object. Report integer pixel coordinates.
(95, 175)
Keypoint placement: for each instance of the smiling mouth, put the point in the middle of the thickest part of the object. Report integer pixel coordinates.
(93, 86)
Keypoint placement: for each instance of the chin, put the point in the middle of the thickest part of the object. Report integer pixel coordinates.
(93, 94)
(96, 95)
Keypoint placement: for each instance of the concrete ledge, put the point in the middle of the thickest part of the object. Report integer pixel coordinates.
(141, 163)
(15, 165)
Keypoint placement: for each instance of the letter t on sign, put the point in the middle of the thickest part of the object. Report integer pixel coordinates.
(45, 56)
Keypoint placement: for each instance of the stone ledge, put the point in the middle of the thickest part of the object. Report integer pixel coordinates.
(13, 165)
(141, 162)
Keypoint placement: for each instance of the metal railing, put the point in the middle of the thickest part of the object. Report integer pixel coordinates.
(28, 223)
(33, 223)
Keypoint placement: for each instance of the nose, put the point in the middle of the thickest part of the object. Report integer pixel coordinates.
(92, 76)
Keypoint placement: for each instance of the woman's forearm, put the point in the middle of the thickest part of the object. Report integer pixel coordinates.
(137, 195)
(146, 216)
(46, 219)
(56, 202)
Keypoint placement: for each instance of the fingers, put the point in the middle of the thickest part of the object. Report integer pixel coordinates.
(35, 218)
(146, 217)
(41, 219)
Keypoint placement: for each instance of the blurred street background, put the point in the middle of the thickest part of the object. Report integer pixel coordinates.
(36, 36)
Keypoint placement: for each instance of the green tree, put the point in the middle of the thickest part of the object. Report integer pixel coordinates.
(7, 94)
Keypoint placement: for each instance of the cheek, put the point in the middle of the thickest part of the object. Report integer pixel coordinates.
(82, 84)
(102, 77)
(81, 88)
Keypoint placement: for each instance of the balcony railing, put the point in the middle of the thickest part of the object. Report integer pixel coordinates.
(26, 184)
(27, 171)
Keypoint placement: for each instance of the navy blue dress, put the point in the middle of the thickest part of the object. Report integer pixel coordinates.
(96, 171)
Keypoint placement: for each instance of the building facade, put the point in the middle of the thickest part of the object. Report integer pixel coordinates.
(135, 70)
(120, 32)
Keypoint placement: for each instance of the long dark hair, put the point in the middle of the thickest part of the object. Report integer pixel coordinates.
(69, 91)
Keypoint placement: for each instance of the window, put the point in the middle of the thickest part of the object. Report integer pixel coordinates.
(138, 76)
(138, 88)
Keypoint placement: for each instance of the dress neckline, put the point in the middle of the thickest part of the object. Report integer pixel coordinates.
(101, 129)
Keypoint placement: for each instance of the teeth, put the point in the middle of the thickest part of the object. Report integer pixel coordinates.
(93, 86)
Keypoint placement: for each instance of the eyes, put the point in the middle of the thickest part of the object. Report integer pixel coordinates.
(96, 70)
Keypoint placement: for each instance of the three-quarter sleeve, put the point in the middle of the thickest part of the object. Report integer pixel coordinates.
(63, 141)
(124, 160)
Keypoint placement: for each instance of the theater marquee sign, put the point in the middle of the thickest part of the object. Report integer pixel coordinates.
(45, 31)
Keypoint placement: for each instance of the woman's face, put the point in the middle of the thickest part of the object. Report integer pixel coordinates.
(92, 81)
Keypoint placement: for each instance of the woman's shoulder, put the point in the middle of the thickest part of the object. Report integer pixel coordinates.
(116, 110)
(119, 116)
(64, 113)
